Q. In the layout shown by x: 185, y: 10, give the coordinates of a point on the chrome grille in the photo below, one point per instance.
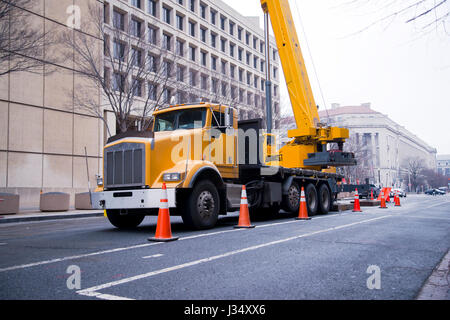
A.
x: 125, y: 165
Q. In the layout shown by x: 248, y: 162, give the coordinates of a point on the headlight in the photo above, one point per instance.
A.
x: 99, y: 181
x: 170, y: 177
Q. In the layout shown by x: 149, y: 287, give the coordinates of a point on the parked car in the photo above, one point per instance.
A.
x: 401, y: 192
x: 434, y: 192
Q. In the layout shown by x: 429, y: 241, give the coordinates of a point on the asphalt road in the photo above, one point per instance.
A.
x: 327, y: 257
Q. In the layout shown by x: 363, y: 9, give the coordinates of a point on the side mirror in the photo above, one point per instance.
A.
x: 228, y: 117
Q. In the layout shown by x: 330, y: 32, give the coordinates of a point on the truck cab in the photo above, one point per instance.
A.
x: 191, y: 148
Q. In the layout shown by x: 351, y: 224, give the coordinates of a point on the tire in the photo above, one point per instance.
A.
x: 324, y: 199
x: 291, y: 201
x: 202, y: 206
x: 124, y: 222
x: 312, y: 199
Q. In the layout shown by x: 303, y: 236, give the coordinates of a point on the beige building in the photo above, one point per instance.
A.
x: 43, y: 135
x: 389, y: 144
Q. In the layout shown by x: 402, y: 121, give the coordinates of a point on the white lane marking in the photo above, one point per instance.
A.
x: 93, y: 291
x: 105, y: 296
x: 153, y: 256
x: 39, y: 263
x: 34, y: 264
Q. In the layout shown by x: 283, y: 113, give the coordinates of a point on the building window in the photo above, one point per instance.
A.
x: 192, y: 78
x: 136, y: 3
x: 152, y: 91
x: 232, y: 50
x: 232, y: 71
x: 180, y: 48
x: 224, y: 67
x: 136, y: 57
x: 152, y: 63
x: 167, y: 15
x: 136, y: 28
x: 118, y: 82
x: 204, y: 82
x: 152, y: 38
x: 223, y: 44
x: 240, y: 33
x: 151, y: 8
x: 248, y: 55
x: 203, y: 10
x: 222, y: 22
x: 106, y: 13
x: 240, y: 54
x: 192, y: 26
x: 192, y: 55
x: 137, y: 87
x: 166, y: 42
x: 247, y: 38
x: 213, y: 63
x: 119, y: 20
x: 213, y: 16
x: 255, y: 41
x: 204, y: 57
x: 180, y: 73
x: 180, y: 22
x: 167, y: 69
x: 241, y: 75
x: 213, y: 40
x: 231, y: 28
x: 203, y: 34
x: 119, y: 50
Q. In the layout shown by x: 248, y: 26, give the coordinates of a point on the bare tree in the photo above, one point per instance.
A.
x: 136, y: 72
x: 426, y: 15
x: 414, y: 168
x: 434, y: 178
x: 21, y: 43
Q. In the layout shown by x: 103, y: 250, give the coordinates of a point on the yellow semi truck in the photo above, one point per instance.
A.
x: 204, y: 154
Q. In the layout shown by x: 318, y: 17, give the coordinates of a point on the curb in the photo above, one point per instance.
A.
x: 7, y: 219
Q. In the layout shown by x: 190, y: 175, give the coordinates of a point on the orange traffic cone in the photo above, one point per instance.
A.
x: 356, y: 206
x: 371, y: 195
x: 383, y: 200
x: 163, y: 230
x: 397, y: 200
x: 244, y: 215
x: 303, y: 211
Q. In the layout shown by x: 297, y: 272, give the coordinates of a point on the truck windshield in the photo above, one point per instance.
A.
x: 181, y: 119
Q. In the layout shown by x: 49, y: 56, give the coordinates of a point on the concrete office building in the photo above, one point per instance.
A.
x: 43, y: 135
x: 223, y: 52
x: 389, y: 143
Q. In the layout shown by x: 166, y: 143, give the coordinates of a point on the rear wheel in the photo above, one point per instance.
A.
x: 312, y: 200
x: 324, y: 199
x: 127, y: 221
x: 202, y: 206
x: 291, y: 201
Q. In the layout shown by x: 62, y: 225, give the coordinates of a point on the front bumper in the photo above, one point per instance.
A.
x: 131, y: 199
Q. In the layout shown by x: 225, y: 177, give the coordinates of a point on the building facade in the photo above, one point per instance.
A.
x: 45, y: 139
x: 42, y: 138
x: 220, y: 53
x: 389, y: 146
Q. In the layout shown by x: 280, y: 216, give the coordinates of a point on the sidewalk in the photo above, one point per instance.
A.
x: 36, y: 215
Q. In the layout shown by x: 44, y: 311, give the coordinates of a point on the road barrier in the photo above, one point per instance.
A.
x: 303, y: 211
x: 356, y: 206
x: 163, y: 229
x: 244, y: 215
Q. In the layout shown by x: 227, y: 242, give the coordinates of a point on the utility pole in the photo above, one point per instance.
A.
x: 268, y: 78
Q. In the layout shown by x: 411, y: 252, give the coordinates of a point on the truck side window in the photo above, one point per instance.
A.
x: 218, y: 119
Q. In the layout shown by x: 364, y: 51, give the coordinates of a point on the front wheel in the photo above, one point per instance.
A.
x: 128, y: 221
x: 202, y: 206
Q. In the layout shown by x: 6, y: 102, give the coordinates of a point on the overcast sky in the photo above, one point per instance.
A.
x: 403, y: 72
